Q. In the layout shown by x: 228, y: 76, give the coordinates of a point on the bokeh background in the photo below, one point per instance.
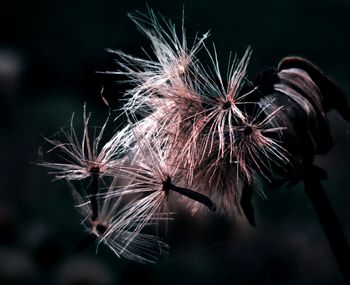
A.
x: 49, y: 54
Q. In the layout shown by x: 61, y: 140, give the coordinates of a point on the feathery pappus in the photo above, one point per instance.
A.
x: 107, y: 218
x: 80, y: 158
x: 196, y: 134
x: 196, y: 114
x: 175, y: 59
x: 154, y: 177
x: 116, y: 226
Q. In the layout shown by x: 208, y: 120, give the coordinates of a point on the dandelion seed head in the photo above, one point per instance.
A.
x: 195, y: 135
x: 192, y: 113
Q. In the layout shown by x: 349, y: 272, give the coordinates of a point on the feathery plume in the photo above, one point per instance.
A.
x: 82, y: 158
x: 257, y: 144
x: 118, y: 228
x: 153, y: 178
x: 168, y: 73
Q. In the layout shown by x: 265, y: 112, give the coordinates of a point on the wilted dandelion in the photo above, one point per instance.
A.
x: 191, y: 128
x: 195, y: 117
x: 185, y: 108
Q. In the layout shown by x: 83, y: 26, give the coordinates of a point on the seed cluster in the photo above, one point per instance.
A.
x: 188, y: 133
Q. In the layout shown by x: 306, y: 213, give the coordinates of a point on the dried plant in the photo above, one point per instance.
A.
x: 196, y: 136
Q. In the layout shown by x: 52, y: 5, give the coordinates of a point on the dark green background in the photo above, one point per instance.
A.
x: 49, y: 52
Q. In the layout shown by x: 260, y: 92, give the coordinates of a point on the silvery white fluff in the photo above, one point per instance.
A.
x: 79, y: 156
x: 188, y: 127
x: 197, y: 115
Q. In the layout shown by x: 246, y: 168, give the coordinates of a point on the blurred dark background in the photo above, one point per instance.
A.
x: 49, y: 54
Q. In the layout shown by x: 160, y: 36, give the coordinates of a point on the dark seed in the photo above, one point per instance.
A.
x: 95, y: 170
x: 226, y: 105
x: 101, y: 229
x: 247, y: 130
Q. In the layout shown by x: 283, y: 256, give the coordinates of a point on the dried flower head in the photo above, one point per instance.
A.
x: 195, y: 117
x: 190, y: 127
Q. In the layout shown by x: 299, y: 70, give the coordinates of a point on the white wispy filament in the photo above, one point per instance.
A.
x: 120, y: 229
x: 191, y: 134
x: 80, y: 156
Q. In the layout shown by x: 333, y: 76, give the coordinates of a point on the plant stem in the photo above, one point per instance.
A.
x: 330, y: 224
x: 95, y: 184
x: 196, y: 196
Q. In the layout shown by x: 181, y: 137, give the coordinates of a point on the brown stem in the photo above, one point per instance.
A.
x: 330, y: 224
x: 94, y: 188
x: 196, y: 196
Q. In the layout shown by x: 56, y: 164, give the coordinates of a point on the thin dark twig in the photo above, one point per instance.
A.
x: 196, y: 196
x: 330, y: 223
x: 94, y: 188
